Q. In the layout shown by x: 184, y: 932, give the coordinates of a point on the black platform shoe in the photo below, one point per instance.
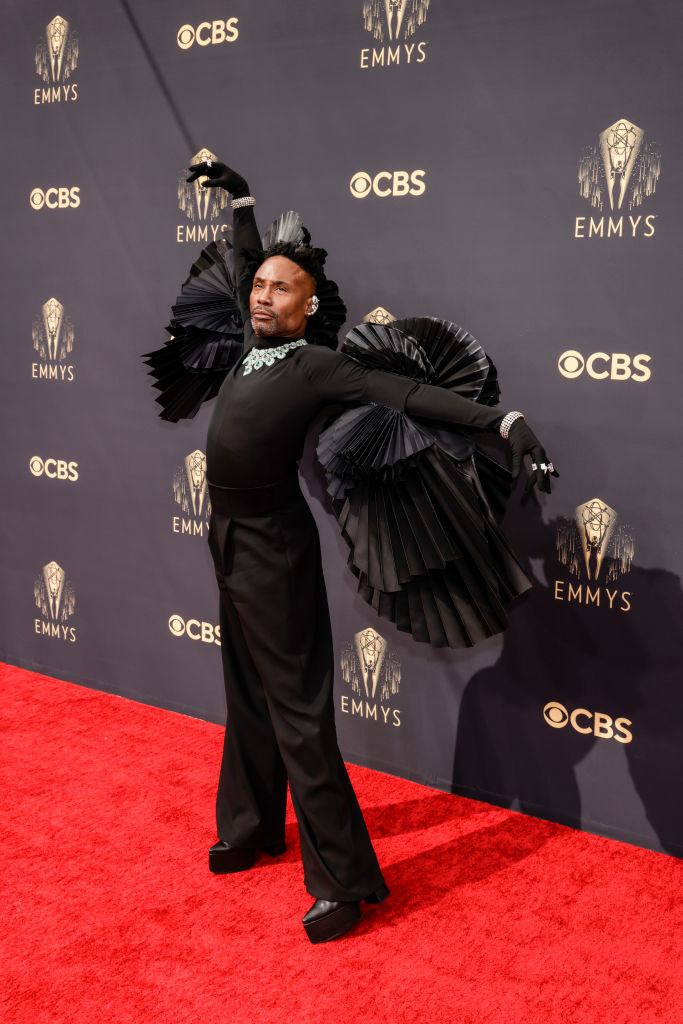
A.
x: 328, y: 919
x: 225, y: 859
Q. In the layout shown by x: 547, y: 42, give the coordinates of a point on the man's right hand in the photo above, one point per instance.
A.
x: 219, y: 176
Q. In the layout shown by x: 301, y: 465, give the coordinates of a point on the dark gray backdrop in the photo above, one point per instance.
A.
x: 495, y: 102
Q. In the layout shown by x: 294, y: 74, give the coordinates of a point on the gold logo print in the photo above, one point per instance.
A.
x: 195, y: 629
x: 197, y: 202
x: 379, y: 315
x: 388, y: 183
x: 53, y: 333
x: 189, y: 486
x: 595, y: 723
x: 371, y: 648
x: 387, y: 18
x: 57, y: 54
x: 53, y: 594
x: 596, y: 522
x: 208, y: 33
x: 593, y: 536
x: 621, y: 165
x: 616, y: 366
x: 367, y: 667
x: 555, y: 714
x: 53, y: 469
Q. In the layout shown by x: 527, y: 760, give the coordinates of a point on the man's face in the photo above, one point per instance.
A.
x: 280, y: 299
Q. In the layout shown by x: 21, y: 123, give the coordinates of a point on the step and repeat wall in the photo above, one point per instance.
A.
x: 512, y: 165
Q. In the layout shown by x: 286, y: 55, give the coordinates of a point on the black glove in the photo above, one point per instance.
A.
x: 523, y: 441
x: 220, y: 176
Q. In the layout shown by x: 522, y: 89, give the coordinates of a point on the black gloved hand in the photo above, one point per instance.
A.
x: 523, y: 441
x: 220, y: 176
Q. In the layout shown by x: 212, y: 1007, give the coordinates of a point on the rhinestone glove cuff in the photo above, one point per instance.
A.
x: 507, y: 422
x: 243, y: 201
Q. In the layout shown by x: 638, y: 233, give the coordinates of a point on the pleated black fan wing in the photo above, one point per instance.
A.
x: 206, y: 336
x: 189, y: 369
x: 208, y: 297
x: 370, y: 440
x: 385, y: 347
x: 458, y: 361
x: 375, y: 441
x: 414, y: 499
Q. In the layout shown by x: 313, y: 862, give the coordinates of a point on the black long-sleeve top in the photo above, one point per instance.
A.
x: 259, y: 423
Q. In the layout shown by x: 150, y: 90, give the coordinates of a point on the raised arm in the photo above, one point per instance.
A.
x: 246, y: 243
x: 246, y: 238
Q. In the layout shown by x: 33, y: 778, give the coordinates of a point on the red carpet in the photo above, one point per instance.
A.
x: 110, y: 915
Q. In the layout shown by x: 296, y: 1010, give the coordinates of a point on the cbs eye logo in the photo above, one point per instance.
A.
x: 208, y: 33
x: 194, y: 629
x: 55, y: 198
x: 555, y: 715
x: 602, y: 726
x: 54, y: 469
x: 600, y: 366
x: 387, y: 183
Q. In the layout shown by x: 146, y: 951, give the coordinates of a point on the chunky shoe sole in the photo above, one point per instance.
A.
x: 228, y: 860
x: 334, y: 924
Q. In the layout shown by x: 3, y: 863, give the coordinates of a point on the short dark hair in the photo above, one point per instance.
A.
x: 307, y: 257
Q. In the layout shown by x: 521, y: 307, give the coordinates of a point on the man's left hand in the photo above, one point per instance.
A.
x: 523, y: 442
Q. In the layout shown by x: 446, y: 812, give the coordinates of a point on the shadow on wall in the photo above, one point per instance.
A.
x: 609, y: 662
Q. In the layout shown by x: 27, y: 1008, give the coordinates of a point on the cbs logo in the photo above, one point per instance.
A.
x: 54, y: 469
x: 208, y: 33
x: 600, y: 365
x: 600, y: 725
x: 195, y: 629
x: 387, y: 183
x: 55, y: 198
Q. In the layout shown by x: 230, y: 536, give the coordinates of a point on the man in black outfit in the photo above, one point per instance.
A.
x: 275, y: 627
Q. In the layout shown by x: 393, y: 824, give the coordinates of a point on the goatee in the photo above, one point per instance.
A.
x: 265, y: 328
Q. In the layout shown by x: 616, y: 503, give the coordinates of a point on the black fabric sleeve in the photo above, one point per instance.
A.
x: 431, y: 403
x: 338, y: 378
x: 246, y: 245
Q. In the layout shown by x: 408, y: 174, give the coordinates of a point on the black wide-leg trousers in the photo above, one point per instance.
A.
x: 276, y: 644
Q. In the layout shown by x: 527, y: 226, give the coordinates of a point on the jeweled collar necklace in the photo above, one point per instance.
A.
x: 258, y: 357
